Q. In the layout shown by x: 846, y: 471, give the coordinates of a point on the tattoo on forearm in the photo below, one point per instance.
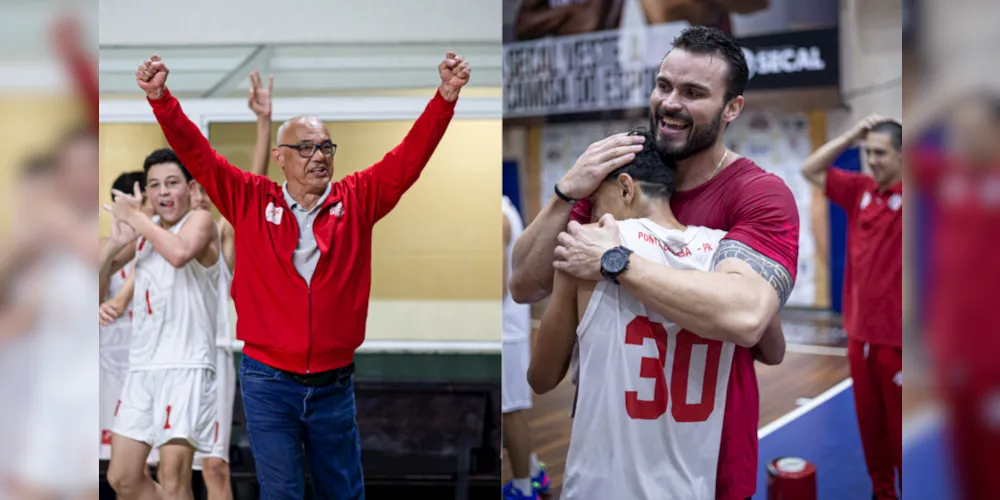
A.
x: 772, y: 272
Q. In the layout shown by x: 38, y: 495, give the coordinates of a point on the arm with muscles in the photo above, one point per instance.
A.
x: 532, y: 255
x: 771, y: 348
x: 113, y: 308
x: 385, y: 182
x: 553, y: 350
x: 735, y: 303
x: 260, y: 103
x: 225, y: 184
x: 817, y: 164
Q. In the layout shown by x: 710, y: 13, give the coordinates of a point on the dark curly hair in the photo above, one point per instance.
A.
x: 165, y: 155
x: 126, y: 181
x: 655, y: 173
x: 707, y: 40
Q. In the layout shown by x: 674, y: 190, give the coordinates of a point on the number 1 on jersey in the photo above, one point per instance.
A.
x: 642, y: 328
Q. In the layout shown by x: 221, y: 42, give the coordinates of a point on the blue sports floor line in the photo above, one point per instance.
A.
x: 825, y: 432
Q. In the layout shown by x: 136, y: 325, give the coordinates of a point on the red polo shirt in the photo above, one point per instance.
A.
x: 873, y: 275
x: 285, y: 322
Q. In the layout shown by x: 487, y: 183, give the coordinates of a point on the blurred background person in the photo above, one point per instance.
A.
x: 873, y: 307
x: 529, y: 474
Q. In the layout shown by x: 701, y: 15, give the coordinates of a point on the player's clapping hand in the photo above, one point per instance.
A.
x: 455, y: 73
x: 260, y: 96
x: 125, y: 208
x: 581, y: 247
x: 152, y: 77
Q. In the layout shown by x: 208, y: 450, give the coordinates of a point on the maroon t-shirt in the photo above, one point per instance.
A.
x: 757, y: 209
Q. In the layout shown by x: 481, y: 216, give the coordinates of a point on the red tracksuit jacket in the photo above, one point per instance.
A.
x: 285, y: 322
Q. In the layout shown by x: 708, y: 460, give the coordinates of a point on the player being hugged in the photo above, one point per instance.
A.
x: 651, y: 395
x: 168, y: 399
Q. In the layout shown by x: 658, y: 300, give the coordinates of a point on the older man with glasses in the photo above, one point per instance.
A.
x: 303, y: 279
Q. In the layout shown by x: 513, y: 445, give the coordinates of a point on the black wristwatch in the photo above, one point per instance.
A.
x: 614, y: 262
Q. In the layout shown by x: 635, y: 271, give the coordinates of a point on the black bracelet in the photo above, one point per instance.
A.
x: 562, y: 196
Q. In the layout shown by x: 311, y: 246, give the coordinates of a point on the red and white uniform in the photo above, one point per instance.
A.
x: 652, y: 396
x: 170, y: 390
x: 757, y: 209
x: 114, y: 352
x: 873, y: 317
x: 225, y: 383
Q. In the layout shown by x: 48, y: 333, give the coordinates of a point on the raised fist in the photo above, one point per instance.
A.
x: 454, y: 72
x: 152, y: 77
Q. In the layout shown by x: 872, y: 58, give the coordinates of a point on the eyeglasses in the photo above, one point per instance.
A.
x: 308, y: 150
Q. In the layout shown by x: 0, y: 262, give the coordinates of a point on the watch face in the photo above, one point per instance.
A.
x: 615, y: 260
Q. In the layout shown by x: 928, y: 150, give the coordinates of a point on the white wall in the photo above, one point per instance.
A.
x: 871, y: 50
x: 199, y: 22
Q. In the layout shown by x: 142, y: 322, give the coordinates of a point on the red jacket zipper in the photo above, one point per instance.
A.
x: 310, y: 329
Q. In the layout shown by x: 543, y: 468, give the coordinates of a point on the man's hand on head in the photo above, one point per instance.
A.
x: 581, y: 247
x: 152, y: 77
x: 597, y: 162
x: 455, y: 72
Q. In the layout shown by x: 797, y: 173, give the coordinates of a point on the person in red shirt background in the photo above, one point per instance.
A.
x: 699, y: 91
x: 961, y: 179
x: 873, y: 282
x: 302, y: 283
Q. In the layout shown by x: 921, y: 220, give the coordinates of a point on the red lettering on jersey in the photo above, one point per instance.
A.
x: 706, y: 247
x: 105, y: 436
x: 118, y: 406
x: 130, y: 315
x: 216, y: 439
x: 167, y: 425
x: 123, y: 273
x: 149, y: 307
x: 642, y: 328
x: 662, y: 245
x: 142, y: 241
x: 681, y: 410
x: 639, y: 329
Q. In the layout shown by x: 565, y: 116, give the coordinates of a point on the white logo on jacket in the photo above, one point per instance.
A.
x: 337, y: 209
x: 272, y: 214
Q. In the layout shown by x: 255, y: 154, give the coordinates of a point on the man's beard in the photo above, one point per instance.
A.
x: 700, y: 138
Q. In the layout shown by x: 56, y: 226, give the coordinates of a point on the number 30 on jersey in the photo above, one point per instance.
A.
x: 642, y: 328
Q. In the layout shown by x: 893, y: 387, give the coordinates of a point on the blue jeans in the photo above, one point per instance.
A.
x: 285, y: 419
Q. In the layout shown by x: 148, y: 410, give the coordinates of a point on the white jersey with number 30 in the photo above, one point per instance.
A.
x: 651, y: 396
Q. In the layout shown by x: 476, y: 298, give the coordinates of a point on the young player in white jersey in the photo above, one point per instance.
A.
x: 168, y: 400
x: 529, y: 477
x: 651, y: 396
x: 116, y: 324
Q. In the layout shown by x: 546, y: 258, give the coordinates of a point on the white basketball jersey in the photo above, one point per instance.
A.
x: 651, y: 396
x: 118, y: 334
x: 516, y: 317
x: 176, y: 311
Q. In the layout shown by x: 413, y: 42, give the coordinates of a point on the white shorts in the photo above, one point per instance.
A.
x: 225, y: 386
x: 160, y: 405
x: 515, y: 393
x: 112, y: 377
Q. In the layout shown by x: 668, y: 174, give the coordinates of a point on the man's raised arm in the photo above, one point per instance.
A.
x: 385, y: 182
x: 532, y: 274
x: 224, y: 183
